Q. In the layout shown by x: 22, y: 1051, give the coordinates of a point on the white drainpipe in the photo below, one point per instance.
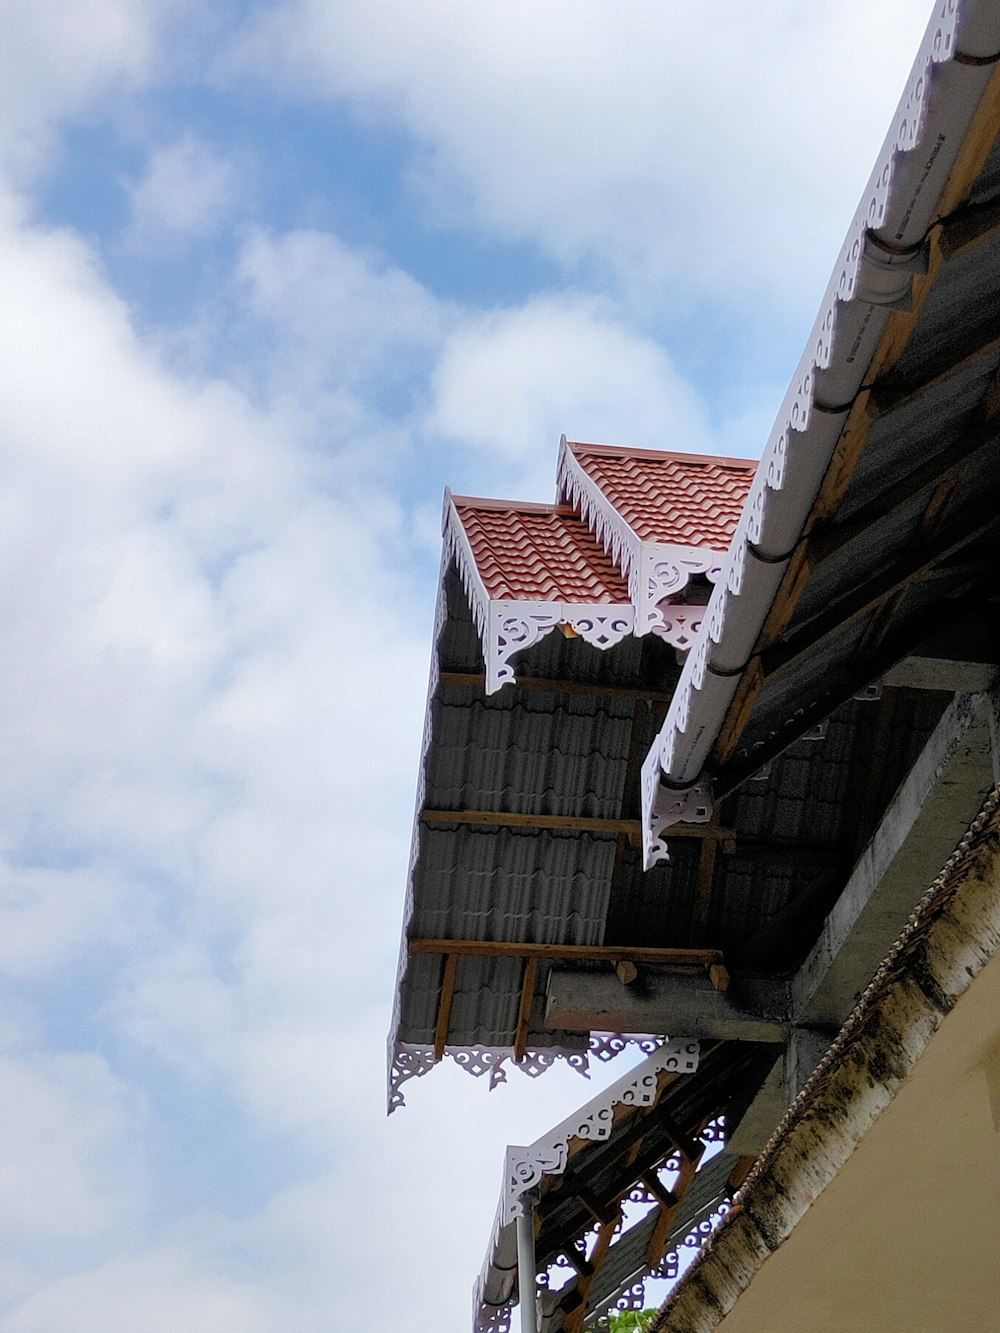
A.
x: 527, y: 1298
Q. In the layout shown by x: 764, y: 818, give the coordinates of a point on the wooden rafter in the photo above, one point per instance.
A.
x: 703, y: 889
x: 573, y: 1319
x: 892, y: 579
x: 712, y: 960
x: 859, y: 674
x: 973, y: 346
x: 943, y: 469
x: 970, y: 226
x: 668, y: 1213
x: 569, y: 823
x: 592, y: 688
x: 444, y: 1004
x: 524, y: 1008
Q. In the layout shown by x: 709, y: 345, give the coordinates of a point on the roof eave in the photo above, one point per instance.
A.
x: 871, y: 281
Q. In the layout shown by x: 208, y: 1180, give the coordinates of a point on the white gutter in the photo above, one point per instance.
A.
x: 885, y: 246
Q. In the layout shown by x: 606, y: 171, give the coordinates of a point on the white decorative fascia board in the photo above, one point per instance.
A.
x: 440, y: 617
x: 414, y: 1059
x: 845, y: 335
x: 516, y: 625
x: 680, y: 625
x: 524, y: 1167
x: 656, y: 571
x: 507, y: 627
x: 458, y: 548
x: 609, y: 528
x: 667, y: 806
x: 662, y: 572
x: 407, y: 1060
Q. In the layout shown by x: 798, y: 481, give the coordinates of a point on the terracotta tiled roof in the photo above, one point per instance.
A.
x: 686, y: 499
x: 541, y: 553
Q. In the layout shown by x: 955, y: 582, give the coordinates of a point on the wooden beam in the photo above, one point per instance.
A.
x: 599, y: 1211
x: 690, y: 1149
x: 592, y: 688
x: 573, y: 1321
x: 570, y: 953
x: 444, y: 1005
x: 524, y: 1009
x: 570, y: 823
x: 719, y: 977
x: 668, y: 1213
x: 890, y: 580
x: 961, y: 353
x: 945, y: 466
x: 664, y: 1197
x: 626, y: 971
x: 673, y: 1003
x: 970, y: 226
x: 858, y: 674
x: 578, y: 1260
x: 703, y: 889
x: 740, y: 1172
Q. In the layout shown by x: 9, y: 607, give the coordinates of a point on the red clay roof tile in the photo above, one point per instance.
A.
x: 686, y: 499
x: 539, y: 553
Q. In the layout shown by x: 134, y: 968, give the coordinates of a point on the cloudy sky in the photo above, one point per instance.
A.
x: 271, y: 275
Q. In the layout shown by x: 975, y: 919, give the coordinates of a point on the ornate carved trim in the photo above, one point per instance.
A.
x: 656, y: 571
x: 514, y: 626
x: 525, y: 1167
x: 407, y: 1060
x: 679, y: 625
x: 664, y: 572
x: 456, y: 547
x: 413, y: 1059
x: 667, y: 806
x: 440, y: 617
x: 575, y: 486
x: 848, y: 282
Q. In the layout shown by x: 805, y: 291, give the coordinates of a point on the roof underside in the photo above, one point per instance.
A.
x: 646, y: 1144
x: 564, y: 741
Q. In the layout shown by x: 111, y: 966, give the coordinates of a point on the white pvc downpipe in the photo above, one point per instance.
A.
x: 527, y: 1298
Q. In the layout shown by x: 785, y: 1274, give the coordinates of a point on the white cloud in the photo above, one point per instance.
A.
x: 508, y: 384
x: 186, y: 192
x: 336, y: 315
x: 49, y: 916
x: 65, y: 1122
x: 712, y: 147
x: 156, y: 1292
x: 65, y: 56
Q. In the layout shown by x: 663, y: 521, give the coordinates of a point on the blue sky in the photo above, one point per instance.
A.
x: 273, y: 274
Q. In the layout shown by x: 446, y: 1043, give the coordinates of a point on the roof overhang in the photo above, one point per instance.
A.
x: 873, y: 385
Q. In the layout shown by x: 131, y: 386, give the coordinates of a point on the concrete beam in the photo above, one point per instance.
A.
x: 789, y: 1075
x: 941, y: 673
x: 920, y: 829
x: 962, y: 658
x: 925, y: 820
x: 666, y: 1002
x: 757, y: 1123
